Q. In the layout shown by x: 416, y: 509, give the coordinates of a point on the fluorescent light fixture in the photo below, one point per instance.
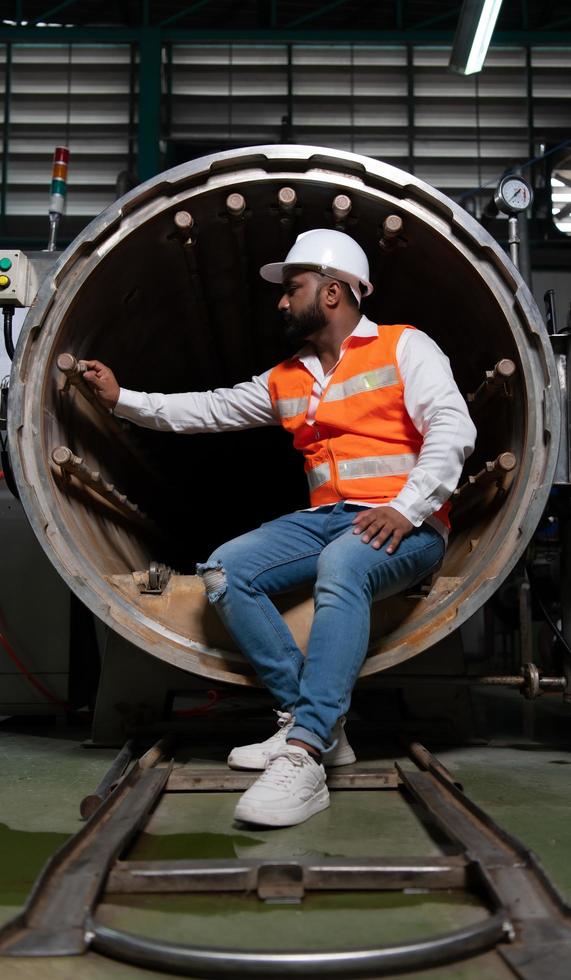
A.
x: 473, y: 35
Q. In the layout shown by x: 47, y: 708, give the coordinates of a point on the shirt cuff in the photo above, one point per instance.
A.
x: 129, y: 404
x: 416, y: 509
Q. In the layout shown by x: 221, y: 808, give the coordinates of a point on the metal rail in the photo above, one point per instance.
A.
x: 526, y: 919
x: 504, y: 868
x: 53, y: 921
x: 335, y: 963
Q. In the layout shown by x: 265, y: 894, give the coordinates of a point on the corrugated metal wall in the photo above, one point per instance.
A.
x: 397, y: 103
x: 70, y: 95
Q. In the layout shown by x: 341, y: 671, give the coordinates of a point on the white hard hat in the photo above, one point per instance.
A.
x: 332, y: 253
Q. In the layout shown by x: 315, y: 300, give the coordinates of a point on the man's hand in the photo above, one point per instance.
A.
x: 381, y: 523
x: 103, y: 383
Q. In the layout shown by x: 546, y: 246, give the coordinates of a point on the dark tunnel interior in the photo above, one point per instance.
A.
x: 170, y: 317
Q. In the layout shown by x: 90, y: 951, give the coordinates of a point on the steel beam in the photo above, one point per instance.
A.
x: 437, y: 19
x: 54, y: 10
x: 186, y: 779
x: 288, y: 878
x: 314, y: 14
x: 150, y: 65
x: 125, y: 35
x: 184, y: 13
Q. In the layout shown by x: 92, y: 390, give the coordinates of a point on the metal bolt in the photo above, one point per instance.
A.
x: 505, y: 462
x: 287, y: 198
x: 69, y: 364
x: 183, y: 220
x: 505, y: 368
x: 235, y: 204
x: 62, y: 455
x: 341, y: 206
x: 392, y: 226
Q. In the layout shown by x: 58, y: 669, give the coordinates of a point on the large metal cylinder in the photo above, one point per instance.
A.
x: 173, y: 304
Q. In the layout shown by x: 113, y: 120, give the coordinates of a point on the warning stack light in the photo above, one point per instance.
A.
x: 58, y: 192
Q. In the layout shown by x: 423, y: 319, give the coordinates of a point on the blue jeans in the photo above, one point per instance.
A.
x: 349, y: 575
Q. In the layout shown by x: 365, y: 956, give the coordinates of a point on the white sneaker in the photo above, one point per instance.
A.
x: 291, y: 790
x: 257, y: 755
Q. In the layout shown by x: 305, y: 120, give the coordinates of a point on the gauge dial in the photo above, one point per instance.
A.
x: 513, y: 195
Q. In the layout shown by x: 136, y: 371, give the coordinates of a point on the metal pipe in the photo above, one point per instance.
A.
x: 156, y: 753
x: 496, y: 469
x: 93, y: 801
x: 494, y: 382
x: 76, y: 466
x: 545, y: 684
x: 513, y: 239
x: 524, y: 255
x: 427, y: 761
x: 189, y: 961
x: 54, y: 219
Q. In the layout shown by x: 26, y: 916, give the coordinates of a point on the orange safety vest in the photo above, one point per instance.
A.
x: 363, y: 443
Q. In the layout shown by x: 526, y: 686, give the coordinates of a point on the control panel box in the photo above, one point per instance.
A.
x: 18, y: 282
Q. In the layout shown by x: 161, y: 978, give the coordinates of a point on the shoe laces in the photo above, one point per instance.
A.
x: 284, y: 764
x: 285, y: 720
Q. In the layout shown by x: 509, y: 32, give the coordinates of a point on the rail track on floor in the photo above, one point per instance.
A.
x: 524, y: 918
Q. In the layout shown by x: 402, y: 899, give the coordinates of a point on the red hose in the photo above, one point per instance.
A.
x: 213, y: 698
x: 29, y: 676
x: 22, y: 667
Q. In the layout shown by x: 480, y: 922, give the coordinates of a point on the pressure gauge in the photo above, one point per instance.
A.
x: 513, y: 195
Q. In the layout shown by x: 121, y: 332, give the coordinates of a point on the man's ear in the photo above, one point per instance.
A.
x: 333, y: 293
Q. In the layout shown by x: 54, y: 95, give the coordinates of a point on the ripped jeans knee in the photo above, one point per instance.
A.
x: 213, y: 575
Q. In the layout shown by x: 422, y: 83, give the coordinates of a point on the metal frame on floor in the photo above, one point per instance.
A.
x: 528, y: 923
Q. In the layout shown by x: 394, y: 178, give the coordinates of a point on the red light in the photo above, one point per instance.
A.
x: 61, y: 154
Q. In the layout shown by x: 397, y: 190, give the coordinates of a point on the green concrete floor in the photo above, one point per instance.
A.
x: 521, y: 782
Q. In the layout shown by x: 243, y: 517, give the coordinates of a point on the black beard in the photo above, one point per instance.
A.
x: 300, y: 327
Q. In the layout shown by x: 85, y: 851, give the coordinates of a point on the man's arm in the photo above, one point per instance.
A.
x: 244, y: 406
x: 440, y: 415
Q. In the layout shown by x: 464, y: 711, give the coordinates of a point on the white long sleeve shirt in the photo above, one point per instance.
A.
x: 431, y: 397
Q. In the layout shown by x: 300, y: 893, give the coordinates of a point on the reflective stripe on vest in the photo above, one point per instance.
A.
x: 355, y: 469
x: 368, y: 381
x: 367, y: 466
x: 288, y: 408
x: 319, y: 475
